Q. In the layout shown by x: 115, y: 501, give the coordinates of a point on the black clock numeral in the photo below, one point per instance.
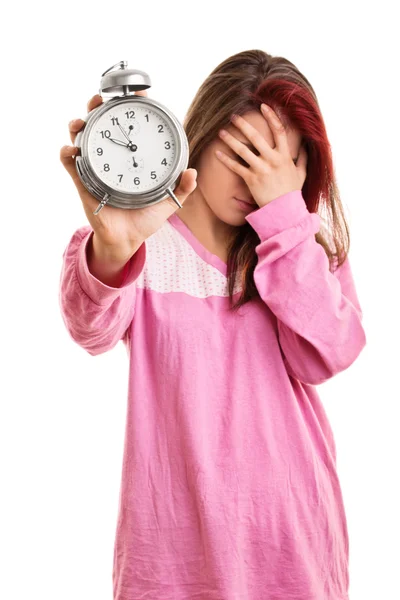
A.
x: 106, y: 167
x: 167, y: 145
x: 146, y: 117
x: 99, y: 151
x: 121, y: 178
x: 164, y: 161
x: 153, y: 175
x: 114, y: 120
x: 160, y: 128
x: 106, y: 133
x: 136, y: 181
x: 130, y: 114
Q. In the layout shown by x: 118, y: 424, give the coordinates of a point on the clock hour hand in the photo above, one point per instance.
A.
x: 118, y: 142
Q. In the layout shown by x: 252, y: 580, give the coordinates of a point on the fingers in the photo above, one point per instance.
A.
x: 74, y: 127
x: 187, y: 184
x: 66, y: 156
x: 189, y: 181
x: 94, y: 102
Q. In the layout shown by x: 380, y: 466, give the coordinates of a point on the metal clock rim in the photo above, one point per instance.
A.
x: 124, y: 199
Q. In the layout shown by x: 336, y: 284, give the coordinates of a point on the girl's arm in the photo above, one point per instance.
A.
x: 319, y: 317
x: 96, y: 313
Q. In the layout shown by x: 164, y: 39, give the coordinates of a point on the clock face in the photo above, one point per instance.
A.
x: 132, y: 147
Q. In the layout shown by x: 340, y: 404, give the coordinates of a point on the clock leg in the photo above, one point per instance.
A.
x: 101, y: 204
x: 174, y: 198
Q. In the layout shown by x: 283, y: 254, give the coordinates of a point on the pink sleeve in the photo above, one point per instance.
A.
x: 96, y: 315
x: 319, y: 317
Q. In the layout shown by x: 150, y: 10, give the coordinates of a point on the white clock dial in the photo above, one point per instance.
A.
x: 132, y: 147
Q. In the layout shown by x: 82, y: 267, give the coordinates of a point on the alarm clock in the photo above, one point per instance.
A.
x: 132, y: 149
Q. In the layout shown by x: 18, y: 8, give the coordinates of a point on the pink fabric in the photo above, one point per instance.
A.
x: 229, y: 486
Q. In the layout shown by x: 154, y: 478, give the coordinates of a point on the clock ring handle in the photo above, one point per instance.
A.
x: 121, y: 64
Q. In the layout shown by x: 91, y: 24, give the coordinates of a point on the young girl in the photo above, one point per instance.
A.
x: 232, y: 309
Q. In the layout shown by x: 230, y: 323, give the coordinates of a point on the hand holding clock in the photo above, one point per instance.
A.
x: 121, y: 231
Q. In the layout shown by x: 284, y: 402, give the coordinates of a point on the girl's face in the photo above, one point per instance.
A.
x: 218, y: 185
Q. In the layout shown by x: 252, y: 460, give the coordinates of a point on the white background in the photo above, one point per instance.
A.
x: 63, y: 411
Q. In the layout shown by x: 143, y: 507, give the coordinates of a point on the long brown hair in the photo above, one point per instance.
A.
x: 240, y: 84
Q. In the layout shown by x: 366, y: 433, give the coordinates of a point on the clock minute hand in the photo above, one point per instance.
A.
x: 127, y: 136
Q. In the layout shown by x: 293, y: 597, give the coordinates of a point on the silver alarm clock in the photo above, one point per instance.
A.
x: 132, y: 149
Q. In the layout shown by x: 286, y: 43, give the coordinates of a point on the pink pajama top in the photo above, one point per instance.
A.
x: 229, y: 485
